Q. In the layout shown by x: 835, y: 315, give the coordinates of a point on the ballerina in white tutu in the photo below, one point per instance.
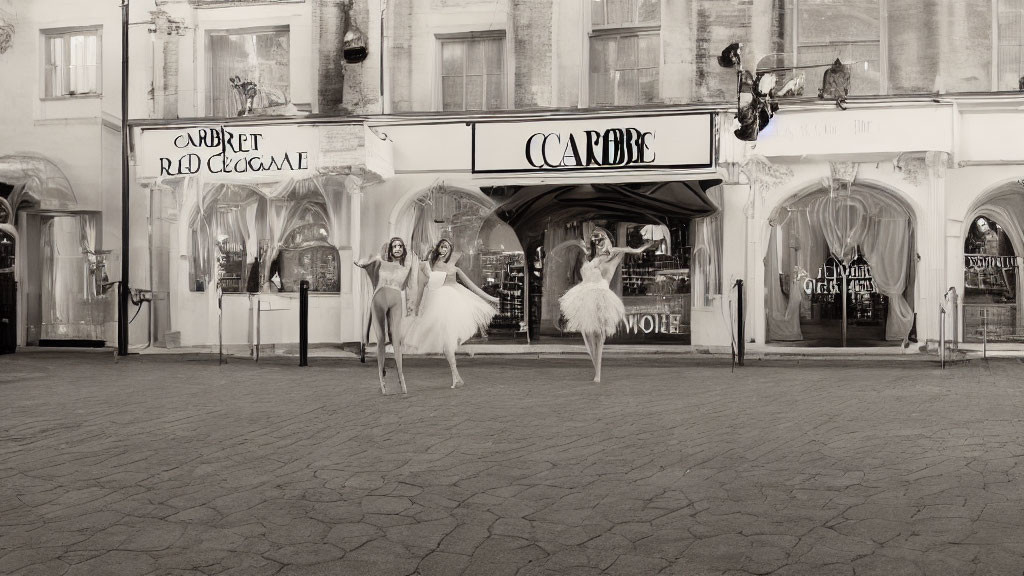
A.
x: 448, y: 313
x: 386, y: 309
x: 590, y: 307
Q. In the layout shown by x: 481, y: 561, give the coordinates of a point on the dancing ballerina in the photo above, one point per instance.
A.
x: 448, y: 314
x: 386, y: 309
x: 590, y: 307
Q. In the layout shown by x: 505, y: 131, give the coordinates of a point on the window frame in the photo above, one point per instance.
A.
x: 997, y: 43
x: 67, y: 33
x: 208, y: 57
x: 619, y: 31
x: 440, y: 39
x: 883, y: 42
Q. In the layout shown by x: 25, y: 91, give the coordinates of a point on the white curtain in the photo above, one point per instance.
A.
x: 881, y: 228
x: 783, y: 311
x: 843, y: 221
x: 707, y: 253
x: 87, y: 241
x: 887, y: 250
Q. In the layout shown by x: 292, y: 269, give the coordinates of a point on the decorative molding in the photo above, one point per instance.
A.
x: 912, y: 167
x: 843, y: 172
x: 916, y: 167
x: 937, y: 163
x: 7, y: 21
x: 763, y: 175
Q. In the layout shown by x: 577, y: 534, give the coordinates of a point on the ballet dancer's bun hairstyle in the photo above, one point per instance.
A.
x: 387, y: 250
x: 436, y: 252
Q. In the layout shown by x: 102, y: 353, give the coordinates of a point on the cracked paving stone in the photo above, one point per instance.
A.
x: 115, y: 563
x: 442, y: 564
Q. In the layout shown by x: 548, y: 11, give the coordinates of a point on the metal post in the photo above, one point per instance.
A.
x: 220, y: 324
x: 304, y: 322
x: 845, y: 297
x: 942, y: 337
x: 984, y: 334
x: 739, y: 322
x: 954, y: 304
x: 122, y: 292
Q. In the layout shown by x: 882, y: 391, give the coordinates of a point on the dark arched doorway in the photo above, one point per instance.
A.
x: 990, y: 284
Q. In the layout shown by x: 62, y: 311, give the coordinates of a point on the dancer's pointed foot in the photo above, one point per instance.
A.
x: 404, y: 390
x: 383, y: 390
x: 457, y: 383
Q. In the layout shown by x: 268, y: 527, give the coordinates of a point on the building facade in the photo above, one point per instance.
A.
x: 280, y: 140
x: 59, y: 172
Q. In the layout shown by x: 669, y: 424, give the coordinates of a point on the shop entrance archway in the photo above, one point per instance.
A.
x: 656, y: 287
x: 488, y: 250
x: 993, y: 243
x: 840, y: 269
x: 63, y: 285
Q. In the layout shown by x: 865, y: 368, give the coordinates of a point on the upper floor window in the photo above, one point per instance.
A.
x: 625, y: 52
x: 248, y: 71
x: 850, y: 31
x: 473, y: 72
x: 72, y: 62
x: 1010, y: 45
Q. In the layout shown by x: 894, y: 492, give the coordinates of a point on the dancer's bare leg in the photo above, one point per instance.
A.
x: 395, y: 322
x: 588, y: 342
x: 456, y: 378
x: 379, y: 314
x: 598, y: 352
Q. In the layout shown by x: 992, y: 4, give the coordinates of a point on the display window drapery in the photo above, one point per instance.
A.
x: 231, y: 222
x: 707, y: 252
x: 865, y: 226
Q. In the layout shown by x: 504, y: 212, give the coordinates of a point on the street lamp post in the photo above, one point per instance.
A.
x: 122, y: 292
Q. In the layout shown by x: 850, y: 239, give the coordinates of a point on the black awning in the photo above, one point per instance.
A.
x: 531, y: 209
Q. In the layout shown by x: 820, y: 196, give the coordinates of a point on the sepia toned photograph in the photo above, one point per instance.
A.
x: 511, y: 287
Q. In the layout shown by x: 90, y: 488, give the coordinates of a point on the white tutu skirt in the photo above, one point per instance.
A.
x: 449, y: 315
x: 592, y: 307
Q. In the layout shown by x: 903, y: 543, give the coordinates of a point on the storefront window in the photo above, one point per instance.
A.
x: 990, y: 283
x: 656, y: 284
x: 257, y: 241
x: 826, y: 249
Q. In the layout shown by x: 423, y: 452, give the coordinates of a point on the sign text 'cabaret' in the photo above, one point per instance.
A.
x: 224, y: 151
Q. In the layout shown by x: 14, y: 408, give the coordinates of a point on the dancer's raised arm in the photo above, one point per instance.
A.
x: 461, y: 277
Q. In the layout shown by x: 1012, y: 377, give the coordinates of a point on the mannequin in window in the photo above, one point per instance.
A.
x: 386, y: 303
x: 590, y: 307
x: 448, y: 313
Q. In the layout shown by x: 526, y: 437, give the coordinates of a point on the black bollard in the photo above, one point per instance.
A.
x: 740, y: 338
x: 303, y: 322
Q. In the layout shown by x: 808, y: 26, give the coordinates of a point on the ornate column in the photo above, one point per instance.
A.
x: 928, y: 169
x: 763, y: 177
x: 353, y: 186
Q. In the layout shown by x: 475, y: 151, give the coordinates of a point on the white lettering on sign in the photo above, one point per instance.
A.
x: 648, y: 323
x: 981, y: 261
x: 831, y: 276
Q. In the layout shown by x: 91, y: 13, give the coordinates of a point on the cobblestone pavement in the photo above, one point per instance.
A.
x: 175, y: 465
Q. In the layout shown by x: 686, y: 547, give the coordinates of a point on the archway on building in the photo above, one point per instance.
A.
x: 992, y: 247
x: 840, y: 269
x: 487, y: 249
x: 64, y: 291
x: 656, y: 286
